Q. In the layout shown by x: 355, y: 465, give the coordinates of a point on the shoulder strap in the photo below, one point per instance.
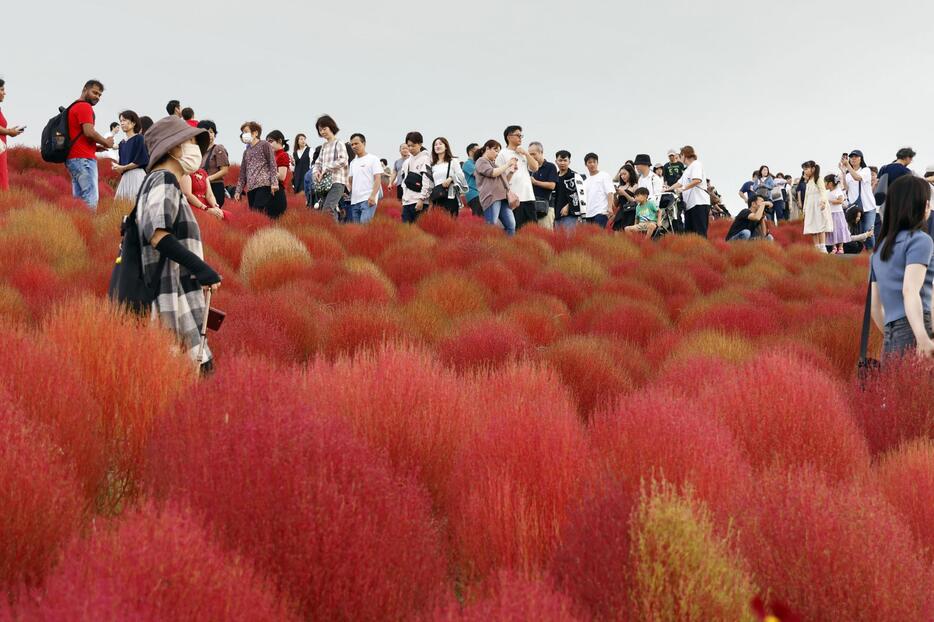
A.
x: 67, y: 111
x: 867, y: 317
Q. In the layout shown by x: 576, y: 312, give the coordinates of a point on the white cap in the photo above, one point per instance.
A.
x: 673, y: 152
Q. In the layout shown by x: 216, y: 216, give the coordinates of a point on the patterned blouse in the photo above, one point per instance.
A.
x: 180, y: 303
x: 333, y: 159
x: 258, y: 167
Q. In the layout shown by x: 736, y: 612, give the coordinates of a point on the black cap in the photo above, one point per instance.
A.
x: 643, y: 159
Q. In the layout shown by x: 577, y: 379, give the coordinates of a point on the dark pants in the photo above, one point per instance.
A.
x: 599, y: 220
x: 525, y: 214
x: 409, y: 214
x: 220, y: 193
x: 898, y: 337
x: 277, y: 204
x: 475, y: 207
x: 451, y: 206
x: 399, y: 192
x: 696, y: 220
x: 779, y: 207
x: 260, y: 199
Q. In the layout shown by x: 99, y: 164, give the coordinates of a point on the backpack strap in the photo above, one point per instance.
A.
x: 80, y: 131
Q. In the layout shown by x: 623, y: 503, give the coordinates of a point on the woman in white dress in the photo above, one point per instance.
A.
x: 817, y: 220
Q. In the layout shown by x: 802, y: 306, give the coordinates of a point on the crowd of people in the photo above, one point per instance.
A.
x: 176, y: 164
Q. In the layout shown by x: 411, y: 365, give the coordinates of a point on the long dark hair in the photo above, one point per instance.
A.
x: 633, y: 177
x: 764, y: 166
x: 295, y: 144
x: 448, y: 155
x: 904, y: 211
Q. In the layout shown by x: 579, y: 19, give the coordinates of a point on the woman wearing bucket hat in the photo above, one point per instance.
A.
x: 170, y: 237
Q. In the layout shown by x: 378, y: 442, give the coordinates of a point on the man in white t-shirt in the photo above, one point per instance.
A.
x: 693, y: 187
x: 521, y: 182
x: 647, y: 178
x: 858, y: 179
x: 365, y: 181
x: 600, y: 193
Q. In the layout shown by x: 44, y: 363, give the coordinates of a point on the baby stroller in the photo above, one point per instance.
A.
x: 668, y: 207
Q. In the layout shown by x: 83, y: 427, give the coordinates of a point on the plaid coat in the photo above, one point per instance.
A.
x: 180, y: 303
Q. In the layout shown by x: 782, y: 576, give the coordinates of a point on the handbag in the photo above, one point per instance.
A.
x: 415, y: 181
x: 323, y: 185
x: 866, y: 366
x: 439, y: 193
x: 128, y: 286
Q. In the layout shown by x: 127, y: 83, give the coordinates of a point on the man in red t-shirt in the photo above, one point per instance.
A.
x: 86, y: 142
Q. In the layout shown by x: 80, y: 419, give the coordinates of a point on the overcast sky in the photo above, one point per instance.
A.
x: 745, y: 82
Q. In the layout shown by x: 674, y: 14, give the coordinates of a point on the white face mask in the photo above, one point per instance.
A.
x: 246, y: 138
x: 190, y: 160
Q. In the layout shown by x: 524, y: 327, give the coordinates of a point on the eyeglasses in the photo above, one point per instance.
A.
x: 516, y: 135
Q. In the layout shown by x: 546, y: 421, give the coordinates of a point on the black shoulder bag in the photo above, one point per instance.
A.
x: 415, y: 180
x: 439, y: 193
x: 128, y: 286
x: 866, y: 366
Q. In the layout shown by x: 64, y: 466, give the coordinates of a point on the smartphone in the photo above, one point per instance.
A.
x: 215, y: 319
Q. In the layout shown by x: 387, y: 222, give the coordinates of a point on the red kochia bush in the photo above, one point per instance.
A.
x: 637, y: 322
x: 906, y: 478
x: 483, y: 342
x: 403, y: 401
x: 515, y: 479
x: 133, y: 370
x: 592, y: 563
x: 57, y: 398
x: 513, y: 598
x: 295, y: 491
x: 896, y: 404
x: 40, y: 507
x: 657, y: 435
x: 785, y: 412
x: 833, y: 553
x: 152, y: 567
x: 593, y: 369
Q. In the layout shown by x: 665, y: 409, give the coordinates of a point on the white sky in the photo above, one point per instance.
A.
x: 746, y: 83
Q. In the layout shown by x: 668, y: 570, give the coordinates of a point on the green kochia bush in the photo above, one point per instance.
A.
x: 681, y: 570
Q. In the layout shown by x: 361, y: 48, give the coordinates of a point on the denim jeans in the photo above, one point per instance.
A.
x: 779, y: 208
x: 566, y: 223
x: 898, y: 338
x: 866, y: 224
x: 362, y: 212
x: 83, y: 173
x: 309, y: 187
x: 599, y: 220
x: 741, y: 236
x: 500, y: 211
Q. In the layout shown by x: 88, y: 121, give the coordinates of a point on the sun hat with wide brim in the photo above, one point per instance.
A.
x: 168, y: 133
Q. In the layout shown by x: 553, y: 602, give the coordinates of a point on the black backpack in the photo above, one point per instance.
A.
x: 128, y: 286
x: 56, y: 139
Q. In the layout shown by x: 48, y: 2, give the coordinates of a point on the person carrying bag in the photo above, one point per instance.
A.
x: 168, y: 278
